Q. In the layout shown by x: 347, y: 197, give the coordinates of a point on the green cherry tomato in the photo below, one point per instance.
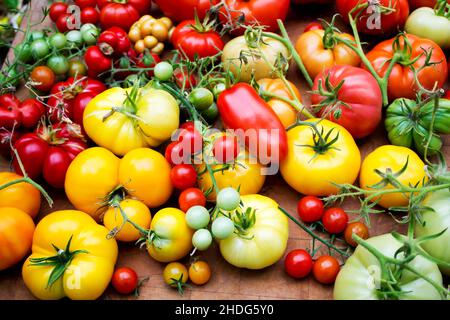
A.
x: 23, y: 52
x: 202, y: 239
x: 218, y: 89
x: 58, y: 40
x: 228, y: 199
x: 37, y: 35
x: 222, y: 228
x: 87, y: 26
x: 39, y: 49
x: 211, y: 113
x: 90, y: 36
x: 163, y: 71
x: 9, y: 78
x: 201, y: 98
x: 74, y: 38
x: 197, y: 217
x: 77, y: 68
x: 58, y: 64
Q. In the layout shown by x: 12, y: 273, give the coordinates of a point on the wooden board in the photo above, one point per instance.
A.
x: 227, y: 282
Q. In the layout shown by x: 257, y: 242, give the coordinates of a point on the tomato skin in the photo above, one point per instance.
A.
x: 226, y: 149
x: 114, y: 41
x: 96, y: 60
x: 89, y: 15
x: 124, y: 280
x: 31, y: 110
x: 16, y: 235
x: 199, y: 273
x: 257, y: 115
x: 401, y: 82
x: 180, y: 10
x: 362, y: 102
x: 121, y: 15
x: 390, y: 23
x: 183, y: 78
x: 9, y: 111
x: 310, y: 209
x: 191, y: 197
x: 422, y: 3
x: 447, y: 95
x: 57, y: 9
x: 86, y: 3
x: 16, y: 114
x: 62, y: 22
x: 175, y: 151
x: 183, y: 176
x: 358, y: 228
x: 313, y: 26
x: 335, y: 220
x: 298, y: 263
x: 326, y: 269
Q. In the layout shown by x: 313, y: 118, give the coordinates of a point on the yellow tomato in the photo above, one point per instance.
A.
x: 285, y: 112
x: 175, y: 275
x: 311, y: 169
x: 91, y: 257
x: 125, y: 119
x: 172, y: 238
x: 136, y: 211
x: 22, y: 196
x: 264, y: 241
x: 392, y: 158
x: 96, y: 175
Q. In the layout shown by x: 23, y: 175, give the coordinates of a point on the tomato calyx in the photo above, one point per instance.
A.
x: 60, y: 261
x: 331, y: 102
x: 442, y: 8
x: 129, y: 106
x: 202, y: 27
x: 179, y: 284
x: 329, y: 37
x: 244, y: 220
x: 321, y: 140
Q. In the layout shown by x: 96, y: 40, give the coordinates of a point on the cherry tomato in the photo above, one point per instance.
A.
x: 189, y: 125
x: 313, y: 26
x: 89, y: 15
x: 310, y: 209
x: 199, y: 272
x: 183, y: 176
x: 86, y: 3
x: 191, y: 197
x: 191, y: 140
x: 335, y: 220
x: 44, y: 76
x: 326, y: 269
x: 175, y: 275
x: 57, y: 9
x: 226, y: 149
x: 358, y: 228
x: 184, y: 80
x: 298, y: 263
x: 62, y: 22
x: 96, y: 60
x: 124, y: 280
x: 77, y: 69
x: 175, y: 154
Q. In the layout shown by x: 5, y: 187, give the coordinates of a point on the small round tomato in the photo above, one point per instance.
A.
x: 124, y: 280
x: 77, y: 69
x: 175, y: 154
x: 43, y: 77
x: 58, y: 64
x: 163, y: 71
x: 335, y: 220
x: 191, y: 197
x: 201, y: 98
x: 86, y: 3
x: 57, y: 9
x: 197, y: 217
x: 89, y: 15
x: 199, y: 272
x: 298, y: 263
x: 226, y: 149
x: 175, y: 275
x: 310, y: 209
x: 358, y: 228
x: 63, y: 21
x: 184, y: 80
x: 191, y: 140
x: 183, y: 176
x: 222, y: 228
x: 313, y: 26
x: 228, y: 199
x: 326, y: 269
x: 202, y: 239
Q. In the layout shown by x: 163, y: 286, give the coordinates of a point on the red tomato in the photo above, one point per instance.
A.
x: 175, y: 154
x: 423, y: 3
x: 89, y: 15
x: 183, y: 176
x: 193, y: 39
x: 123, y: 15
x: 44, y: 78
x: 191, y: 140
x: 326, y: 269
x: 357, y: 105
x: 447, y: 95
x: 226, y: 149
x: 183, y: 78
x: 96, y: 60
x: 191, y: 197
x: 48, y: 152
x: 64, y: 21
x: 189, y: 125
x: 86, y: 3
x: 124, y: 280
x: 401, y: 83
x: 264, y: 12
x: 310, y: 209
x: 367, y: 22
x: 298, y: 263
x: 56, y: 10
x: 148, y: 60
x: 180, y: 10
x: 19, y: 114
x: 313, y: 26
x: 143, y: 6
x: 335, y: 220
x: 358, y: 228
x: 6, y: 139
x: 79, y: 104
x: 114, y: 41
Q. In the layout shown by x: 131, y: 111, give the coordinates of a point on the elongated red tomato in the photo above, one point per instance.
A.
x: 356, y: 105
x: 242, y: 108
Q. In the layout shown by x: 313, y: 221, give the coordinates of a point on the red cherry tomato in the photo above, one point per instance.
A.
x: 182, y: 78
x: 114, y: 41
x: 226, y: 149
x: 313, y: 26
x: 326, y: 269
x: 86, y: 3
x: 124, y: 280
x: 189, y: 125
x: 89, y: 15
x: 191, y: 197
x: 335, y: 220
x: 298, y: 263
x: 183, y: 176
x: 44, y: 78
x: 191, y: 140
x: 57, y: 9
x: 175, y: 154
x: 31, y: 111
x: 310, y: 209
x: 63, y: 22
x: 96, y: 60
x: 358, y: 228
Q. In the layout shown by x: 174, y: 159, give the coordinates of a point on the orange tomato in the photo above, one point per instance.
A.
x: 199, y: 273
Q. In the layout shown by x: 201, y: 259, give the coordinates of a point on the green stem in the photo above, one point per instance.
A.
x: 34, y: 184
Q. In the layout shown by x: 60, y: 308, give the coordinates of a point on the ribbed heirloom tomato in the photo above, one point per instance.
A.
x: 122, y: 13
x: 180, y: 10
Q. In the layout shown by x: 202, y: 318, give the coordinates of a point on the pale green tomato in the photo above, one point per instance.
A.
x: 202, y: 239
x: 163, y: 71
x: 90, y: 36
x: 222, y: 228
x: 359, y: 278
x: 228, y: 199
x: 87, y: 26
x: 424, y: 23
x: 197, y: 217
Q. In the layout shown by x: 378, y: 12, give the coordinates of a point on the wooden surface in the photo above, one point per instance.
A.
x: 227, y: 282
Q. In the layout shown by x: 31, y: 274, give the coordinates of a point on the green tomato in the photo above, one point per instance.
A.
x: 37, y: 35
x: 58, y: 64
x: 10, y: 79
x: 90, y: 36
x: 163, y: 71
x: 359, y: 278
x: 222, y: 228
x: 424, y: 23
x: 435, y: 221
x: 211, y: 113
x: 74, y: 38
x: 39, y: 49
x: 202, y: 239
x: 218, y: 89
x: 201, y: 98
x: 197, y: 217
x: 228, y: 199
x: 23, y: 52
x: 87, y: 26
x: 58, y: 40
x: 77, y: 68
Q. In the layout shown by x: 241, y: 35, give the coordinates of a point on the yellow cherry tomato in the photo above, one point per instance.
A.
x: 139, y: 46
x: 312, y: 169
x: 146, y: 27
x: 134, y: 34
x: 175, y: 275
x: 199, y: 273
x: 150, y: 42
x: 86, y: 257
x: 96, y: 175
x: 136, y: 211
x: 167, y: 22
x: 160, y: 31
x: 392, y: 158
x: 171, y: 237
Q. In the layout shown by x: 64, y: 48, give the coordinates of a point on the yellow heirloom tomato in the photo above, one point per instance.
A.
x: 263, y: 237
x: 125, y: 119
x: 313, y: 163
x: 170, y: 237
x: 96, y: 178
x: 71, y: 257
x: 393, y: 159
